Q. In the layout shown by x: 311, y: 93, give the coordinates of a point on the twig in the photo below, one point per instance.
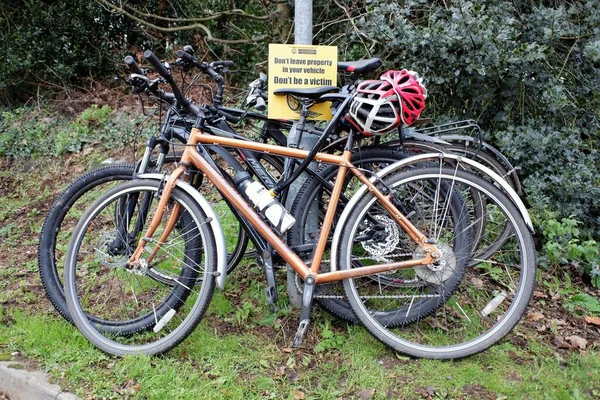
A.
x: 234, y: 12
x: 209, y: 35
x: 354, y: 26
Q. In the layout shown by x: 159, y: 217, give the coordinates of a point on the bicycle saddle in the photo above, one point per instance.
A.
x: 307, y: 93
x: 360, y: 66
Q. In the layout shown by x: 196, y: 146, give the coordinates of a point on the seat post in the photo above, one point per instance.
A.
x: 301, y: 125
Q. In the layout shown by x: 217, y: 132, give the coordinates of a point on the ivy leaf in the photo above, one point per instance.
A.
x: 586, y: 301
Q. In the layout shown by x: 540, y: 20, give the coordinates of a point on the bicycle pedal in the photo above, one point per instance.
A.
x: 299, y: 337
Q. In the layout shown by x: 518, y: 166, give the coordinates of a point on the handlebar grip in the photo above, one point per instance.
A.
x: 133, y: 67
x: 185, y: 56
x: 227, y: 63
x: 260, y: 104
x: 213, y: 74
x: 158, y: 66
x: 230, y: 118
x: 168, y: 97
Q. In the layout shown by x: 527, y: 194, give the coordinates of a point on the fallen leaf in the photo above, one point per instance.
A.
x: 292, y: 376
x: 577, y: 341
x: 299, y: 395
x: 558, y: 322
x: 541, y: 328
x: 535, y: 316
x: 281, y: 370
x: 539, y: 295
x: 478, y: 283
x: 365, y: 394
x: 287, y: 350
x: 561, y: 343
x: 592, y: 320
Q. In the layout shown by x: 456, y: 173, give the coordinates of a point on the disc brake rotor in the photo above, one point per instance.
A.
x: 384, y: 241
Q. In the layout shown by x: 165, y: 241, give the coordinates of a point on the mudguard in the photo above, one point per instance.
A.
x: 428, y: 157
x: 214, y: 224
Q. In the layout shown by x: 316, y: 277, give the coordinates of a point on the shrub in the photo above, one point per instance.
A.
x: 528, y: 72
x: 26, y: 132
x: 565, y: 243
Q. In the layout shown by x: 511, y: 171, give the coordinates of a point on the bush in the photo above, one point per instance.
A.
x: 26, y: 132
x: 528, y: 72
x: 566, y: 245
x: 53, y: 43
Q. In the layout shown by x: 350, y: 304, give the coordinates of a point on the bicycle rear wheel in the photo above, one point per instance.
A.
x: 313, y: 198
x: 487, y: 301
x: 149, y: 308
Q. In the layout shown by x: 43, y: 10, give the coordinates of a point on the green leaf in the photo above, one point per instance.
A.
x: 586, y: 301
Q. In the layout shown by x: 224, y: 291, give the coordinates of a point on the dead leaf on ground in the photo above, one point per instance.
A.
x: 577, y: 341
x: 427, y: 392
x: 535, y: 316
x: 561, y: 343
x: 365, y: 394
x: 299, y: 395
x: 593, y: 320
x: 478, y: 283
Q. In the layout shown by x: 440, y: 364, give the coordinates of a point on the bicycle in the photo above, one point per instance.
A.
x: 176, y: 126
x: 111, y: 174
x: 439, y: 250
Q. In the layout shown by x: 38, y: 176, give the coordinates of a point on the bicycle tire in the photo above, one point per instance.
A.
x: 330, y: 296
x: 50, y: 262
x: 102, y: 289
x: 476, y: 154
x: 494, y: 294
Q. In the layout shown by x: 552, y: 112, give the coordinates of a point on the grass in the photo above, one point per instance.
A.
x: 241, y: 351
x: 247, y: 363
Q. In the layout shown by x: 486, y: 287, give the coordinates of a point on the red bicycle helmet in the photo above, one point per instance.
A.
x: 375, y: 109
x: 408, y: 85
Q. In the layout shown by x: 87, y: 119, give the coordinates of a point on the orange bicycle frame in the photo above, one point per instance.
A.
x: 191, y: 157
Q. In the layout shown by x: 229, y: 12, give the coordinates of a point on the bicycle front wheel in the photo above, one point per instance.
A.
x: 153, y: 306
x: 484, y: 305
x: 71, y: 205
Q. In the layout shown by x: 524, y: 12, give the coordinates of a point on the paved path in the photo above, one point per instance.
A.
x: 20, y: 384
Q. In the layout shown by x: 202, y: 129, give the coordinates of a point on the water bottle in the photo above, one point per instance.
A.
x: 262, y: 199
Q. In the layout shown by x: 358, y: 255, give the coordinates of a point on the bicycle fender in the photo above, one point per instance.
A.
x: 215, y: 225
x: 497, y: 180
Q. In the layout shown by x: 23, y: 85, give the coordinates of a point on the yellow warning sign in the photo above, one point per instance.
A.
x: 300, y: 66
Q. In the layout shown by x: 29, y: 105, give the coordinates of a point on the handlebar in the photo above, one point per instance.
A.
x: 141, y: 83
x: 260, y: 104
x: 211, y: 70
x: 133, y: 67
x: 160, y: 68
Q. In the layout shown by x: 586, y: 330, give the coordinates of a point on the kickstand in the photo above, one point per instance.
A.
x: 307, y: 297
x: 271, y: 289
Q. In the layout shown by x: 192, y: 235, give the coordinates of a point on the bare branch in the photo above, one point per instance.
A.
x: 234, y: 12
x: 197, y: 25
x: 354, y: 26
